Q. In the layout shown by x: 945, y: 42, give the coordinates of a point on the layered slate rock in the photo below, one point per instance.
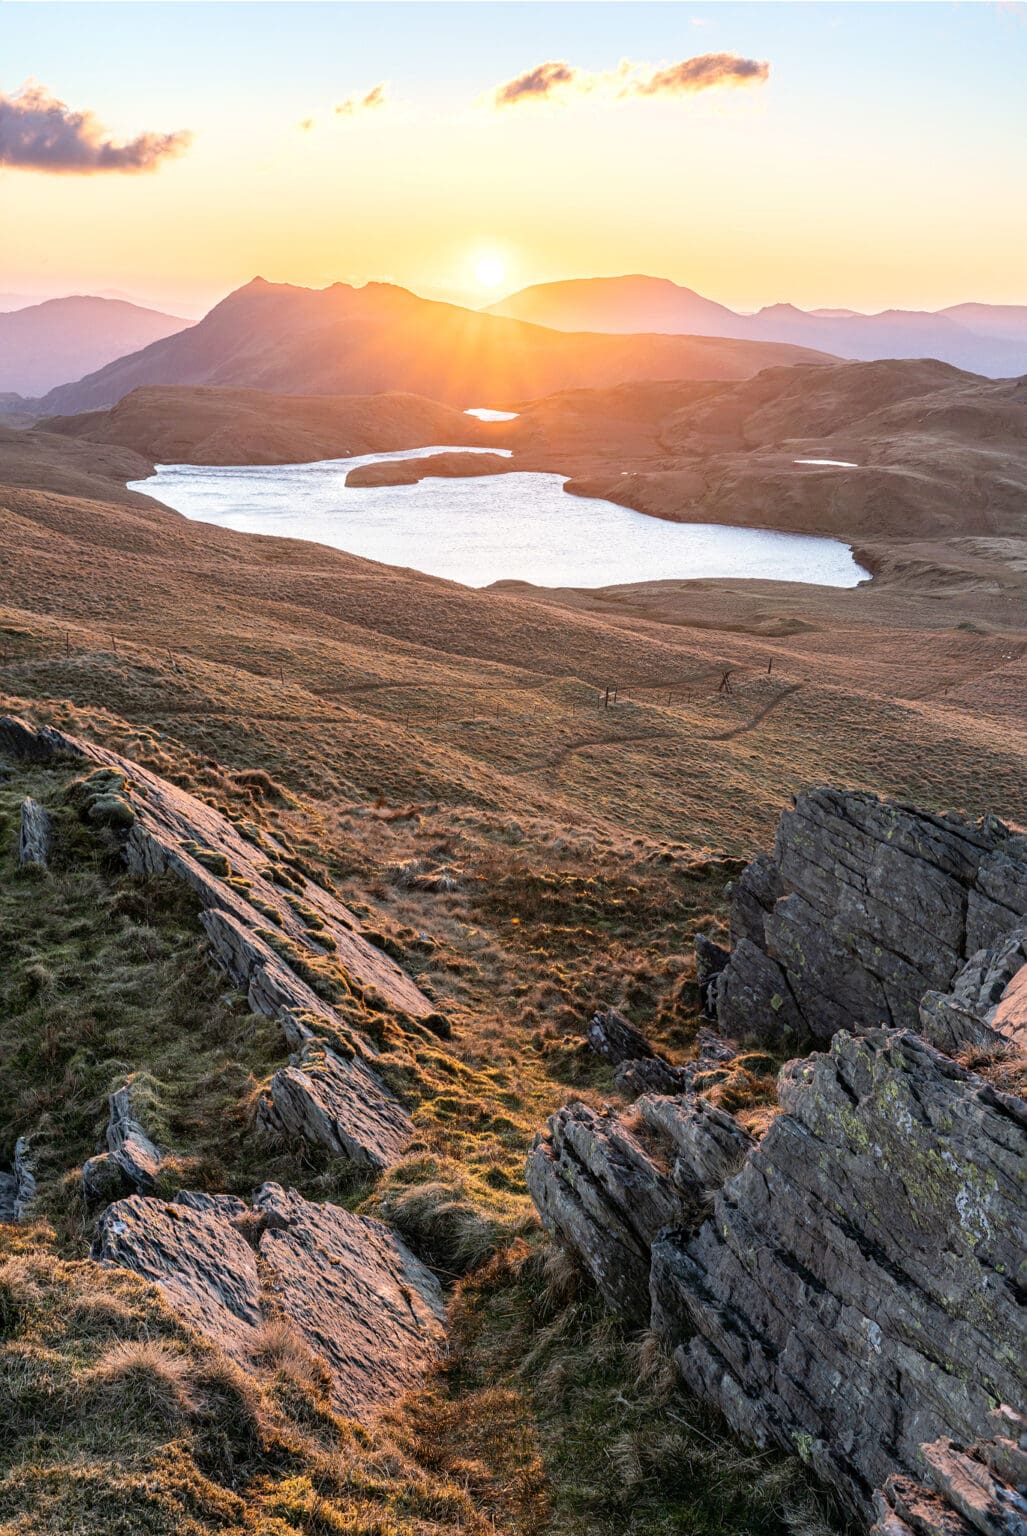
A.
x: 334, y: 1104
x: 34, y: 834
x: 371, y: 1310
x: 132, y: 1159
x: 606, y: 1190
x: 864, y: 907
x: 857, y: 1290
x: 205, y: 1268
x: 18, y: 1187
x: 358, y: 1297
x: 249, y: 888
x: 988, y: 1002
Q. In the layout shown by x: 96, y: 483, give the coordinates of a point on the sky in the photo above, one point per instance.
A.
x: 861, y: 155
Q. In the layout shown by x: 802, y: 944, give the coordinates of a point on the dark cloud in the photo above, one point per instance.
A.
x: 536, y: 84
x: 39, y: 133
x: 700, y: 74
x: 374, y: 99
x: 563, y: 81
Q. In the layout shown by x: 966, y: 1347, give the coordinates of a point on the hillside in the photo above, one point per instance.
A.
x: 46, y: 344
x: 344, y: 340
x: 241, y: 426
x: 932, y: 451
x: 984, y: 338
x: 418, y: 774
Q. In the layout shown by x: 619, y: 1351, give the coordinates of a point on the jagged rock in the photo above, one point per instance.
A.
x: 969, y: 1495
x: 709, y: 1143
x: 337, y: 1104
x: 988, y: 1000
x: 206, y: 1270
x: 18, y: 1188
x: 651, y: 1074
x: 370, y: 1310
x: 853, y: 1293
x: 227, y: 1207
x: 599, y: 1190
x: 710, y: 960
x: 753, y: 998
x: 242, y: 887
x: 34, y: 838
x: 865, y: 906
x: 128, y: 1144
x: 611, y: 1036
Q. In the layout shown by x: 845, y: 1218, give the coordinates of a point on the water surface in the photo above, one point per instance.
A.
x: 519, y: 526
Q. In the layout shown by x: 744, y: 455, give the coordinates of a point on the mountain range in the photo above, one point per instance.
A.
x: 42, y: 345
x: 344, y: 340
x: 982, y: 338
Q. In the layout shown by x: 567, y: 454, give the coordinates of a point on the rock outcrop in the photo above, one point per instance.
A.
x: 854, y: 1292
x: 18, y: 1188
x: 269, y: 926
x: 865, y: 906
x: 606, y: 1189
x: 348, y: 1286
x: 988, y: 1002
x: 335, y: 1105
x: 34, y: 836
x: 132, y: 1159
x: 851, y: 1287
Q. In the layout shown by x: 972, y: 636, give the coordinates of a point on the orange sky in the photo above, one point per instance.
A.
x: 842, y: 178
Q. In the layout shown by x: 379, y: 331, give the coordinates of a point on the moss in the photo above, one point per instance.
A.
x: 210, y: 858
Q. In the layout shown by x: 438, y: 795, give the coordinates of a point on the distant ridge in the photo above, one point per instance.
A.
x: 43, y: 344
x: 989, y: 339
x: 344, y: 340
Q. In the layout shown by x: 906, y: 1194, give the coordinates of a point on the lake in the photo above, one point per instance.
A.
x: 521, y: 526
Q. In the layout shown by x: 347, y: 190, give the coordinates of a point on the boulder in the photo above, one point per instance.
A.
x: 18, y: 1188
x: 337, y: 1104
x: 366, y: 1306
x: 128, y: 1144
x: 204, y: 1267
x: 34, y: 837
x: 650, y: 1074
x: 854, y: 1292
x: 865, y: 906
x: 352, y: 1290
x: 615, y: 1039
x: 710, y: 960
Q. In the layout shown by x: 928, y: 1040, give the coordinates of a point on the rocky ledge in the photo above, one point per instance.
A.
x: 270, y: 926
x: 345, y: 1284
x: 850, y: 1288
x: 864, y: 906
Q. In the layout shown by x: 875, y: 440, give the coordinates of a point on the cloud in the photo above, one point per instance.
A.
x: 39, y: 133
x: 701, y: 73
x: 374, y: 99
x: 535, y: 84
x: 558, y: 81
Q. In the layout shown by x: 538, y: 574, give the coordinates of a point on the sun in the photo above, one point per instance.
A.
x: 490, y: 271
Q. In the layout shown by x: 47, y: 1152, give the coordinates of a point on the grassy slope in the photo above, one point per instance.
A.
x: 527, y: 857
